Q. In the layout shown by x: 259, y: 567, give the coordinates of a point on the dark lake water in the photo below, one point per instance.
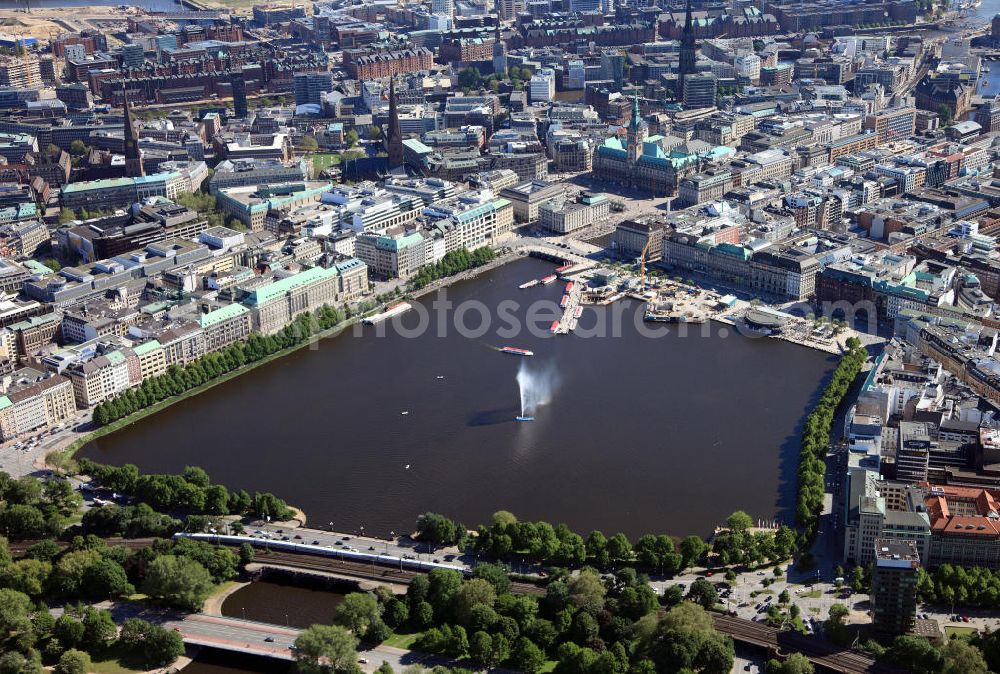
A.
x: 664, y: 435
x: 211, y: 661
x: 283, y: 604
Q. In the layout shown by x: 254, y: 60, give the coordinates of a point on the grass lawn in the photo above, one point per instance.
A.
x: 815, y: 594
x: 322, y: 161
x: 402, y: 640
x: 111, y: 666
x: 108, y: 663
x: 958, y: 631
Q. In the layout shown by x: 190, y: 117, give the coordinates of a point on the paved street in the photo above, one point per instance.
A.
x: 25, y: 460
x: 246, y: 636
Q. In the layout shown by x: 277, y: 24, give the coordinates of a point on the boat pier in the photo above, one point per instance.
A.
x: 570, y: 315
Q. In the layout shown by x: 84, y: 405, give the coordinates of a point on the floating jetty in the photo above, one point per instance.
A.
x: 549, y: 279
x: 554, y: 328
x: 525, y: 418
x: 565, y: 267
x: 394, y: 310
x: 570, y: 304
x: 530, y: 284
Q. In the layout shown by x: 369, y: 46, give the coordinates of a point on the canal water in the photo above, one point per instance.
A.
x: 640, y: 434
x: 280, y: 603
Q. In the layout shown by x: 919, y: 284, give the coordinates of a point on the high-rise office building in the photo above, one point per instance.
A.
x: 894, y: 585
x: 309, y: 87
x: 133, y: 56
x: 699, y: 90
x: 542, y: 85
x: 239, y: 85
x: 443, y: 7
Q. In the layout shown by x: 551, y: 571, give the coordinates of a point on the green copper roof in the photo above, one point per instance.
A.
x: 223, y: 314
x: 281, y: 288
x: 147, y: 347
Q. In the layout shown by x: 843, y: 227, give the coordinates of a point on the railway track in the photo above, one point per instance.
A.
x: 819, y: 652
x: 18, y: 549
x: 361, y: 569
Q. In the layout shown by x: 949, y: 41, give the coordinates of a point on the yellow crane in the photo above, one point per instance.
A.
x: 642, y: 264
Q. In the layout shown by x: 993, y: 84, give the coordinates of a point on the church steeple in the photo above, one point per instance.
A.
x: 499, y: 51
x: 133, y: 157
x: 394, y: 136
x: 687, y: 53
x: 636, y: 132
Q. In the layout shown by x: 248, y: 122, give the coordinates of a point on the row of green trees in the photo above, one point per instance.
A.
x: 918, y: 655
x: 541, y: 542
x: 452, y: 263
x: 190, y: 492
x: 955, y: 585
x: 816, y: 438
x: 179, y: 379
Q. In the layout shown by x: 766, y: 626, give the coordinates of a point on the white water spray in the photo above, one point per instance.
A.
x: 537, y: 385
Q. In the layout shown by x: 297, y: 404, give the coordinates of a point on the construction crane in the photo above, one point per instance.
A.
x: 642, y: 264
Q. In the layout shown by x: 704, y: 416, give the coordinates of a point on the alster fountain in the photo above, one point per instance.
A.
x: 536, y: 385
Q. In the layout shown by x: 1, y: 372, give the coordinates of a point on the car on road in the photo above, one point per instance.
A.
x: 297, y: 537
x: 338, y: 543
x: 371, y: 547
x: 315, y: 542
x: 363, y: 661
x: 269, y: 640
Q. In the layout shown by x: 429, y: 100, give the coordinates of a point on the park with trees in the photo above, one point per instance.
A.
x: 584, y: 624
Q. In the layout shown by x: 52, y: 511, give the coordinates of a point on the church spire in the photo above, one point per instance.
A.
x: 394, y: 137
x: 499, y: 50
x: 687, y: 53
x: 133, y: 157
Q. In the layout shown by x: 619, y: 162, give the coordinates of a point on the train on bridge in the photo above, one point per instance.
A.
x: 326, y: 551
